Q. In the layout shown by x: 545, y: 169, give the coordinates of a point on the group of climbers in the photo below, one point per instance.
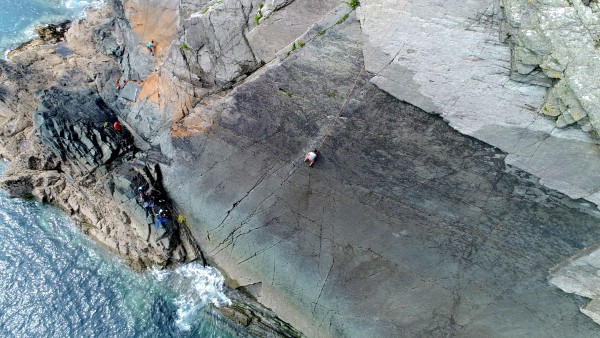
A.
x: 152, y: 199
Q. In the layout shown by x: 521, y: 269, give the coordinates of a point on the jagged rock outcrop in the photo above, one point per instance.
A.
x: 558, y: 39
x: 58, y: 134
x: 79, y: 127
x: 215, y: 36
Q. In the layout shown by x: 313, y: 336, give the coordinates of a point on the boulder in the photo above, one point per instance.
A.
x: 79, y: 126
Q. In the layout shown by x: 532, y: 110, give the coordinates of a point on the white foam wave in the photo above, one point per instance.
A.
x: 78, y: 4
x: 197, y: 287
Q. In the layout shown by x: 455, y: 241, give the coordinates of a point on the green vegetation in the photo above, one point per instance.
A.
x: 354, y: 3
x: 301, y: 44
x: 184, y: 47
x: 322, y: 32
x: 210, y: 5
x: 259, y: 14
x: 330, y: 94
x: 293, y: 48
x: 286, y: 92
x: 342, y: 19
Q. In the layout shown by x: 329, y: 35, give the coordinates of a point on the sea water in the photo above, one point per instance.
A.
x: 18, y: 18
x: 56, y: 282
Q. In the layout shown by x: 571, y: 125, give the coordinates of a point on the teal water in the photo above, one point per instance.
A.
x: 56, y: 282
x: 19, y: 17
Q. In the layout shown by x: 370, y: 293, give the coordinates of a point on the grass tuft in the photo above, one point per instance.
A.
x: 286, y: 92
x: 342, y: 19
x: 259, y: 14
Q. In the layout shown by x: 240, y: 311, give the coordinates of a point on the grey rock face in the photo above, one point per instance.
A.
x: 403, y: 227
x: 450, y: 62
x: 559, y: 38
x: 215, y: 43
x: 79, y: 126
x: 285, y: 22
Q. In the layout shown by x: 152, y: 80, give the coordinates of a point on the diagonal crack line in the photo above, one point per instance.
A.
x: 256, y: 184
x: 259, y: 182
x: 323, y: 286
x: 233, y: 235
x: 261, y: 251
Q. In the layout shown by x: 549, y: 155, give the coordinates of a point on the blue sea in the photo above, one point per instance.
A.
x: 56, y: 282
x: 18, y: 18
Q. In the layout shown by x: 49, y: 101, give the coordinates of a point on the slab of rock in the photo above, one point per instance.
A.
x: 281, y: 23
x: 130, y: 91
x: 450, y: 62
x: 404, y: 227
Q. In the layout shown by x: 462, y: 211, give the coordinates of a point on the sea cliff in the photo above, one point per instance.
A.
x: 409, y: 223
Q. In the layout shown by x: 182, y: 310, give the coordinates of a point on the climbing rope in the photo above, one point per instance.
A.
x: 145, y: 19
x: 362, y: 69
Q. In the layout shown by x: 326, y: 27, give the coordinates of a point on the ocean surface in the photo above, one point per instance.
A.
x: 56, y: 282
x: 18, y: 18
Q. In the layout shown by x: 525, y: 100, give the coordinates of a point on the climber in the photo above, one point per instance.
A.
x: 148, y: 206
x: 141, y: 191
x: 117, y: 88
x: 311, y: 157
x: 161, y: 218
x: 117, y: 126
x: 163, y: 213
x: 151, y: 45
